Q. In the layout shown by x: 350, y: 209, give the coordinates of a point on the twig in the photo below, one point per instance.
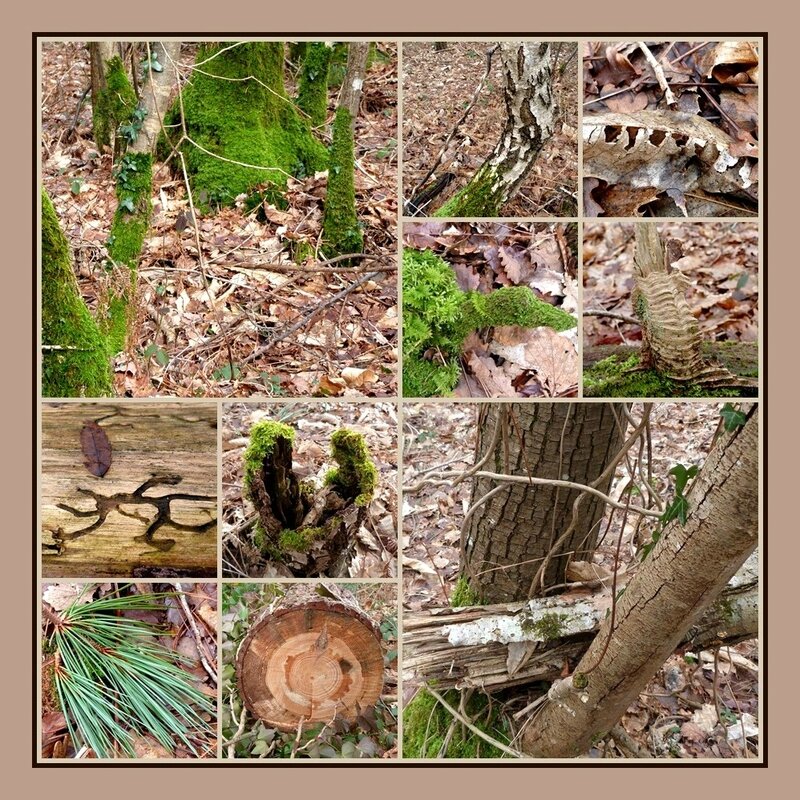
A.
x: 198, y: 639
x: 598, y: 312
x: 272, y: 267
x: 477, y: 731
x: 658, y: 71
x: 240, y: 732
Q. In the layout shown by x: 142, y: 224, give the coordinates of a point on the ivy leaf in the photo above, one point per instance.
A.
x: 732, y: 417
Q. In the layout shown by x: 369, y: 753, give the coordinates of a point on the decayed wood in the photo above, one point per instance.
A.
x: 497, y: 646
x: 312, y: 656
x: 153, y: 513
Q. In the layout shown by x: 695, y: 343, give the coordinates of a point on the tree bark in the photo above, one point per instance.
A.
x: 153, y: 513
x: 530, y: 115
x: 312, y: 656
x: 681, y: 577
x: 156, y: 94
x: 499, y: 646
x: 505, y: 540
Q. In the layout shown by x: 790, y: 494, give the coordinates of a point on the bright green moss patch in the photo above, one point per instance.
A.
x: 426, y: 724
x: 463, y: 594
x: 263, y: 437
x: 438, y: 316
x: 356, y: 475
x: 481, y: 197
x: 299, y: 540
x: 249, y: 120
x: 312, y: 92
x: 115, y: 105
x: 548, y: 626
x: 80, y: 364
x: 341, y: 232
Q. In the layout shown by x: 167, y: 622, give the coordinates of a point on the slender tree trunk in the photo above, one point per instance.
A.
x: 100, y: 53
x: 507, y: 537
x: 681, y: 577
x: 530, y: 115
x: 156, y: 94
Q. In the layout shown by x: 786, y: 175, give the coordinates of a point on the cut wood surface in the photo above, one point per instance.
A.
x: 312, y: 656
x: 506, y: 644
x: 152, y: 513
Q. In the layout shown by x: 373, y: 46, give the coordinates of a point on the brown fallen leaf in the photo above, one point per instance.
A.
x: 96, y: 449
x: 358, y: 377
x: 491, y: 379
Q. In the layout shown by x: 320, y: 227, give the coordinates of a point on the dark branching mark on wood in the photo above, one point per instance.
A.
x: 105, y: 505
x: 96, y: 448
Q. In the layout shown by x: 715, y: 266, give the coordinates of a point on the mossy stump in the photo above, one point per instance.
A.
x: 307, y: 529
x: 313, y: 656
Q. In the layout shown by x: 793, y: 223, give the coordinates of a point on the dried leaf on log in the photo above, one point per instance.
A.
x: 96, y: 449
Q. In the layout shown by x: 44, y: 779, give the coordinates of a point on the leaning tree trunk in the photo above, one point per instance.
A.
x: 313, y: 656
x: 681, y: 577
x: 519, y: 524
x: 530, y: 114
x: 671, y: 340
x: 340, y: 230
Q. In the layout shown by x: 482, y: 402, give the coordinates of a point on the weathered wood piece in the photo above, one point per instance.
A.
x: 314, y: 655
x: 497, y: 646
x: 153, y: 512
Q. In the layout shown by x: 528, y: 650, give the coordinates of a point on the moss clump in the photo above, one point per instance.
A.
x: 340, y: 229
x: 248, y: 119
x: 83, y: 367
x: 312, y: 92
x: 438, y: 316
x: 463, y: 594
x: 134, y: 177
x: 115, y: 105
x: 426, y: 724
x: 548, y: 626
x: 300, y: 540
x: 481, y: 197
x: 263, y: 438
x: 356, y: 475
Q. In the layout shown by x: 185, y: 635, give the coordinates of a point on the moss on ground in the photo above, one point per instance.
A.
x: 463, y: 594
x: 81, y: 366
x: 438, y: 316
x: 312, y: 91
x: 115, y: 105
x: 341, y: 232
x: 426, y: 724
x: 300, y: 540
x: 237, y: 108
x: 356, y: 476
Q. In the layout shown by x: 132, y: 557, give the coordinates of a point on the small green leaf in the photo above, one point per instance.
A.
x: 226, y: 373
x: 75, y: 185
x: 732, y: 417
x: 742, y: 282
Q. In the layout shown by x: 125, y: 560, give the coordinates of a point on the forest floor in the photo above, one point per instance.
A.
x: 200, y: 320
x: 675, y: 715
x: 375, y: 548
x: 438, y: 85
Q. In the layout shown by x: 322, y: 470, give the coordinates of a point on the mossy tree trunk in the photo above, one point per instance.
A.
x: 687, y: 569
x: 341, y: 230
x: 508, y: 536
x: 312, y: 93
x: 530, y: 115
x: 241, y: 128
x: 312, y: 656
x: 76, y: 359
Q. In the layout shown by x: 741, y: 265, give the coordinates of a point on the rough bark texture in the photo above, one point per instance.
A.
x: 683, y: 574
x: 494, y: 647
x: 312, y: 656
x: 519, y: 524
x: 100, y: 54
x: 671, y: 340
x: 530, y: 114
x: 156, y: 94
x: 152, y: 513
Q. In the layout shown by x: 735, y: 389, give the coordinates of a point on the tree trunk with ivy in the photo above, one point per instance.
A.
x: 530, y: 118
x: 506, y: 539
x: 683, y: 574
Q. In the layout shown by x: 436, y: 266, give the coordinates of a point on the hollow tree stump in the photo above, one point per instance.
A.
x: 312, y: 656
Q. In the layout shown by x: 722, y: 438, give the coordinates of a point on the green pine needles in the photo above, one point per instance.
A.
x: 113, y: 679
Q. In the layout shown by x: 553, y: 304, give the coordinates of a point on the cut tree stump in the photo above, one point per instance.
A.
x: 313, y: 656
x: 152, y: 512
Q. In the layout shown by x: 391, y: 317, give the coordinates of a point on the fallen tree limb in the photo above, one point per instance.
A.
x: 508, y: 644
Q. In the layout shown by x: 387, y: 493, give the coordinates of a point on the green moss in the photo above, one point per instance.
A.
x: 338, y: 65
x: 618, y: 377
x: 302, y: 251
x: 83, y: 367
x: 548, y: 626
x: 438, y: 316
x: 249, y: 120
x: 312, y: 94
x: 579, y: 680
x: 356, y: 475
x: 426, y: 724
x: 115, y: 105
x: 463, y: 594
x: 341, y: 232
x: 300, y: 540
x: 481, y: 197
x: 263, y: 436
